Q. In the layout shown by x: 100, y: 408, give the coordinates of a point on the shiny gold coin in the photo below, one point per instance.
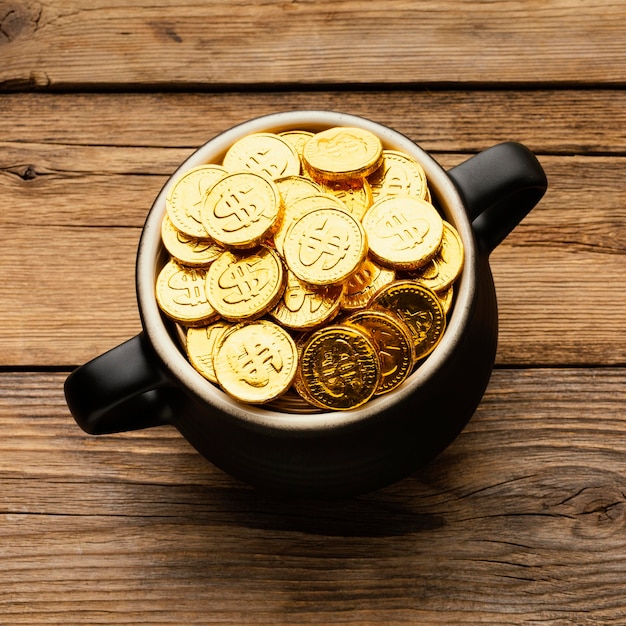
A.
x: 303, y: 306
x: 444, y: 268
x: 245, y: 286
x: 399, y: 174
x: 364, y: 283
x: 342, y: 153
x: 419, y: 308
x: 403, y: 232
x: 201, y: 346
x: 241, y: 210
x: 339, y: 368
x: 263, y: 153
x: 298, y: 207
x: 181, y: 294
x: 393, y: 342
x: 256, y: 362
x: 356, y: 196
x: 325, y: 246
x: 446, y: 298
x: 297, y: 138
x: 184, y: 200
x: 188, y: 250
x: 292, y: 188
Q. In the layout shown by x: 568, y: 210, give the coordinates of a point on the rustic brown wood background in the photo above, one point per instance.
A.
x: 521, y: 521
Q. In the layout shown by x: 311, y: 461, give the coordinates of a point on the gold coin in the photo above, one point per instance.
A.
x: 181, y: 294
x: 419, y: 308
x: 399, y: 174
x: 393, y: 342
x: 245, y: 286
x: 201, y: 346
x: 188, y: 250
x: 241, y: 210
x: 297, y: 138
x: 403, y: 232
x: 184, y: 200
x: 339, y: 368
x: 356, y: 196
x: 342, y: 153
x: 256, y: 362
x: 364, y: 283
x: 444, y: 268
x: 298, y: 207
x: 325, y: 246
x: 303, y: 306
x: 263, y: 153
x: 446, y: 298
x: 292, y: 188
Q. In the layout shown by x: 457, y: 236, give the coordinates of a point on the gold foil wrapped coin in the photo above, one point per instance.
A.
x: 403, y: 232
x: 298, y: 207
x: 181, y: 295
x: 419, y: 308
x: 399, y: 174
x: 444, y: 268
x: 256, y: 362
x: 339, y: 368
x: 364, y: 283
x: 292, y: 188
x: 241, y: 210
x: 355, y: 196
x: 188, y: 250
x: 342, y: 153
x: 393, y: 342
x: 297, y: 138
x: 186, y: 196
x: 245, y: 286
x: 304, y: 307
x: 263, y: 153
x: 201, y: 346
x: 325, y: 246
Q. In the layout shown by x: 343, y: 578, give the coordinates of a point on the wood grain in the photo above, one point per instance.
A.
x: 519, y: 521
x: 81, y: 43
x: 73, y: 214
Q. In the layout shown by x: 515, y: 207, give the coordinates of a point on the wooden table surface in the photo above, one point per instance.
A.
x: 520, y: 521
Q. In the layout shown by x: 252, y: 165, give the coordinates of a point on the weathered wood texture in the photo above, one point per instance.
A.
x: 77, y: 187
x: 520, y: 521
x: 70, y: 44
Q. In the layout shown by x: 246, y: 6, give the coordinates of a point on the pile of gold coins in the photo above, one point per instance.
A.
x: 307, y: 268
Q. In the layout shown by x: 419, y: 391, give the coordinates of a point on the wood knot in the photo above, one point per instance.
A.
x: 18, y: 19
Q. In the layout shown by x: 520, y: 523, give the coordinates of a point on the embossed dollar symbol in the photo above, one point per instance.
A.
x: 338, y: 369
x: 246, y: 280
x: 191, y: 286
x: 254, y: 362
x: 268, y: 162
x: 240, y: 208
x: 343, y: 144
x: 322, y: 241
x: 408, y: 232
x: 297, y: 294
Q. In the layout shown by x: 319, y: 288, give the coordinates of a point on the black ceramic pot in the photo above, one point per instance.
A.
x: 147, y: 381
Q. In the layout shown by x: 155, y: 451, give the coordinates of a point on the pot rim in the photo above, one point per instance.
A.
x: 151, y: 254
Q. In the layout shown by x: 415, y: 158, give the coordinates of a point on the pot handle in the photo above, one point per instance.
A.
x: 120, y: 390
x: 499, y: 186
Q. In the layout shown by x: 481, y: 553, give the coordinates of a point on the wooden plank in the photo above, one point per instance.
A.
x: 79, y: 43
x: 70, y: 236
x: 519, y: 521
x: 548, y: 121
